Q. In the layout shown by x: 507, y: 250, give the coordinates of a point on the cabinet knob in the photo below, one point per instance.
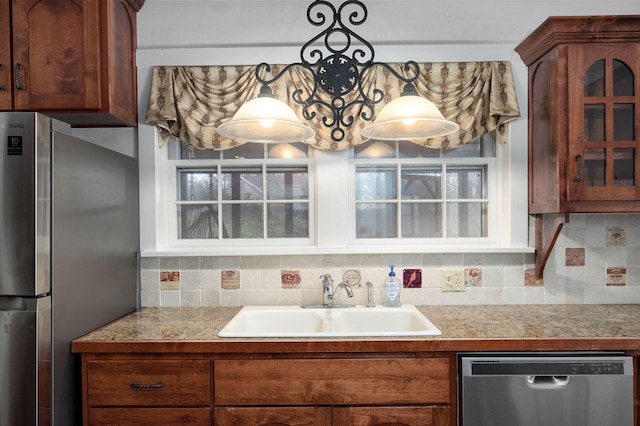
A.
x: 19, y: 68
x: 1, y: 69
x: 139, y: 385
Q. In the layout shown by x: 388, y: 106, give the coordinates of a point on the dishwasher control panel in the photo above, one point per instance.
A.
x: 544, y: 367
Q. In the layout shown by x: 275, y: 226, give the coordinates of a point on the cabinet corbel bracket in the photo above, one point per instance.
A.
x: 544, y: 244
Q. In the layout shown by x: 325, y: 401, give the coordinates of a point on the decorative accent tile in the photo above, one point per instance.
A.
x: 230, y: 280
x: 473, y: 277
x: 169, y: 280
x: 412, y: 278
x: 530, y: 279
x: 616, y: 236
x: 574, y: 256
x: 616, y: 276
x: 352, y: 277
x: 290, y: 278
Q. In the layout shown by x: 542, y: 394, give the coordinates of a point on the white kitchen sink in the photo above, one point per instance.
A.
x: 296, y: 321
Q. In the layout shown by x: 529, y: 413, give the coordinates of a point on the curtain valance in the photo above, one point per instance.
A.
x: 190, y: 102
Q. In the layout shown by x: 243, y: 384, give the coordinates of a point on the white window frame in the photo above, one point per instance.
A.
x: 232, y: 243
x: 333, y: 212
x: 493, y: 231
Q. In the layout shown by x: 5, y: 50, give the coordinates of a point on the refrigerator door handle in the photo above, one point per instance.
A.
x: 138, y: 385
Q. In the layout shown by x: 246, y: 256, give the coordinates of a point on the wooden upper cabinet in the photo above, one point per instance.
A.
x: 584, y: 114
x: 5, y: 57
x: 74, y: 60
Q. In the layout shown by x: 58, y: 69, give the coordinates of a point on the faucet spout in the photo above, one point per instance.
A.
x: 329, y: 294
x: 347, y: 288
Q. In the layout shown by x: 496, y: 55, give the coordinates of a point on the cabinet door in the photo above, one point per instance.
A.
x: 5, y: 57
x: 398, y: 416
x: 56, y: 50
x: 604, y: 112
x: 280, y: 416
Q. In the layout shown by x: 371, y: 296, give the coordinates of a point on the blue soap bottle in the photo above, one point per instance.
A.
x: 391, y: 297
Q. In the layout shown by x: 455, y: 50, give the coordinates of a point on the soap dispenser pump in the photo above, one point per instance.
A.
x: 391, y: 290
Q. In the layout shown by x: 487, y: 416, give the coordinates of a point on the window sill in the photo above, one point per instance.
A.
x: 297, y: 251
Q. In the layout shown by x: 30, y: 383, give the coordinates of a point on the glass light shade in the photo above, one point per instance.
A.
x: 409, y: 117
x: 265, y: 119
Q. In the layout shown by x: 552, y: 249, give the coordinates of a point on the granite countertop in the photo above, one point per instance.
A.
x: 464, y: 328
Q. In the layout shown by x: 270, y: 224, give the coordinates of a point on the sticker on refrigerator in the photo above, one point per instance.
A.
x: 14, y: 145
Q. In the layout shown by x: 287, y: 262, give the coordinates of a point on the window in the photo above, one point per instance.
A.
x: 405, y: 191
x: 251, y: 193
x: 262, y: 195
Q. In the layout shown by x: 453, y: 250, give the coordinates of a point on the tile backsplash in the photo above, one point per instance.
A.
x: 596, y: 259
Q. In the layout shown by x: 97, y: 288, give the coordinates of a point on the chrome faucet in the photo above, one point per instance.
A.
x: 329, y: 294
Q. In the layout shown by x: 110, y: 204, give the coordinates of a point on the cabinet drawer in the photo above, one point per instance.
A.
x: 149, y: 416
x: 369, y: 416
x: 148, y: 383
x: 281, y: 416
x: 332, y: 381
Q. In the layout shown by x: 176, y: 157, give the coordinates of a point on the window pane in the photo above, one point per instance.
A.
x: 466, y: 220
x: 242, y: 221
x: 189, y: 152
x: 376, y: 183
x: 412, y: 150
x: 421, y: 183
x: 197, y: 221
x: 376, y: 220
x: 288, y: 220
x: 197, y: 185
x: 375, y: 149
x: 466, y: 182
x: 242, y: 183
x: 594, y: 123
x: 623, y: 170
x: 594, y: 79
x: 622, y: 79
x: 287, y: 183
x: 247, y: 150
x: 468, y: 150
x: 623, y: 122
x: 421, y: 220
x: 594, y: 167
x: 289, y: 150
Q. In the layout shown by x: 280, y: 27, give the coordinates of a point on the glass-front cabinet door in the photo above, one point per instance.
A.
x: 603, y: 129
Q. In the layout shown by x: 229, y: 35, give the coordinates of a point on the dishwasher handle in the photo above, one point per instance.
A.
x: 547, y: 382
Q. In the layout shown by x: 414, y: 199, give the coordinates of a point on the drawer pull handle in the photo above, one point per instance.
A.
x: 138, y: 385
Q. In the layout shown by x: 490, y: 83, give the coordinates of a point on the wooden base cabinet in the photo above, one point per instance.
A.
x: 338, y: 392
x: 269, y: 389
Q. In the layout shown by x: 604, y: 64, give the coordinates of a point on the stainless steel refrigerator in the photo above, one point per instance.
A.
x: 68, y: 261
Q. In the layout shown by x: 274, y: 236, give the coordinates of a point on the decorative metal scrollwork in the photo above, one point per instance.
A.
x: 337, y: 69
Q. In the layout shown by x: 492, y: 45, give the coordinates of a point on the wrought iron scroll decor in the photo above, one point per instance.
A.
x: 338, y: 70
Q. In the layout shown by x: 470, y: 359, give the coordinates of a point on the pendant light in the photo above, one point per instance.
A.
x: 409, y: 117
x: 338, y: 77
x: 265, y: 119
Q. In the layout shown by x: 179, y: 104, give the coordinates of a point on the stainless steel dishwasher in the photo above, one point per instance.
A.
x: 533, y: 389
